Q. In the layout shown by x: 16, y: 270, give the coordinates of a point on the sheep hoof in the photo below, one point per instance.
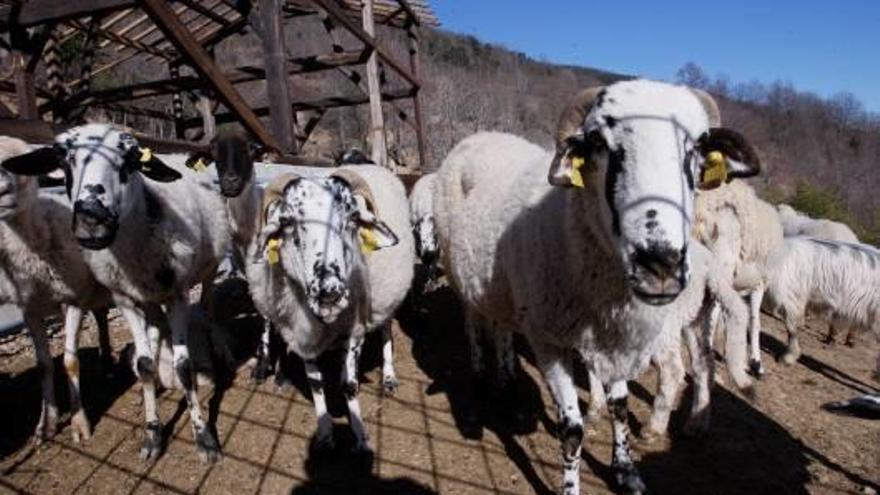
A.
x: 323, y: 443
x: 789, y: 358
x: 152, y: 444
x: 756, y: 368
x: 390, y: 384
x: 80, y: 427
x: 46, y: 426
x: 628, y: 479
x: 207, y: 446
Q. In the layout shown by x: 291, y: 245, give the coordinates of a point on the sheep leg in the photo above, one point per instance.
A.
x: 671, y: 375
x: 79, y: 423
x: 473, y: 330
x: 144, y: 364
x: 178, y: 320
x: 699, y: 342
x: 625, y: 472
x: 104, y: 346
x: 555, y: 364
x: 265, y: 363
x: 597, y: 402
x: 351, y: 387
x: 389, y: 376
x: 755, y: 299
x: 505, y: 357
x: 794, y: 347
x: 49, y: 409
x: 324, y: 434
x: 850, y: 337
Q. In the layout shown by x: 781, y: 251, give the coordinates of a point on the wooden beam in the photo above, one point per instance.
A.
x: 122, y: 40
x: 42, y: 11
x: 176, y: 32
x: 315, y: 105
x: 379, y: 149
x: 268, y: 17
x: 40, y: 132
x: 205, y: 11
x: 413, y: 38
x: 331, y: 8
x: 404, y: 4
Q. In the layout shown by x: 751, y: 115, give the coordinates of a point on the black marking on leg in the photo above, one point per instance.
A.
x: 572, y: 435
x: 183, y: 368
x: 153, y: 427
x: 146, y: 368
x: 618, y: 408
x: 350, y: 388
x: 315, y: 385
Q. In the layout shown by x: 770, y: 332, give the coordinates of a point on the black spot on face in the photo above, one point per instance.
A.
x: 652, y: 213
x: 651, y: 224
x: 610, y: 121
x: 615, y: 168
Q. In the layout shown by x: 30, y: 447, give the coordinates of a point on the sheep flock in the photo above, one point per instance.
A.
x: 636, y: 237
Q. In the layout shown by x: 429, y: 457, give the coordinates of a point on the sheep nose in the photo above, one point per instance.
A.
x: 662, y: 262
x: 93, y: 212
x: 330, y: 294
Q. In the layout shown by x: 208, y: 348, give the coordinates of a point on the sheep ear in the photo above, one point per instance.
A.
x: 727, y: 155
x: 38, y: 162
x: 155, y: 168
x: 199, y: 160
x: 566, y: 169
x: 374, y: 233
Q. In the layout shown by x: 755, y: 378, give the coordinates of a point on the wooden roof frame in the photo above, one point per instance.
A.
x: 184, y: 32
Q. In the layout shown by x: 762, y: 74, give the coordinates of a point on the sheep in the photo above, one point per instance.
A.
x: 309, y: 276
x: 421, y: 200
x: 390, y: 270
x: 742, y: 231
x: 42, y: 271
x: 837, y: 277
x: 599, y: 260
x: 796, y: 223
x: 147, y: 243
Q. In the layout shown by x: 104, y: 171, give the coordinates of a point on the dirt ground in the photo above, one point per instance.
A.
x: 443, y: 432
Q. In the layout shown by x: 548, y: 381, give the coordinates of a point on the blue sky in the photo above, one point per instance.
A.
x: 824, y: 47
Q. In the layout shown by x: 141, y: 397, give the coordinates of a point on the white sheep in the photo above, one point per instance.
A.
x: 742, y: 231
x: 390, y: 269
x: 308, y: 274
x: 599, y: 261
x: 421, y: 200
x: 148, y: 243
x: 839, y: 278
x: 43, y: 270
x: 797, y: 223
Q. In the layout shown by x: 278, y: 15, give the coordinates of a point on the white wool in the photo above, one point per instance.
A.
x: 841, y: 277
x: 797, y: 223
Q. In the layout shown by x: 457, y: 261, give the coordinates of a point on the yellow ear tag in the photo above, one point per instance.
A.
x: 715, y: 171
x: 199, y: 165
x: 273, y: 250
x: 369, y: 242
x: 146, y: 155
x: 577, y: 162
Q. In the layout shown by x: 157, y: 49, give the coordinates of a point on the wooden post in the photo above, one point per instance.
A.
x: 377, y: 124
x: 177, y: 102
x: 23, y: 74
x: 277, y: 84
x: 209, y: 123
x: 412, y: 34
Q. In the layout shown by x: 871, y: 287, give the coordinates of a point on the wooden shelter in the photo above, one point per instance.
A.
x: 183, y: 33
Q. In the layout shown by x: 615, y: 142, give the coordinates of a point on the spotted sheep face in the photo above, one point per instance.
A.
x: 103, y: 169
x: 426, y: 238
x: 641, y: 148
x: 314, y: 229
